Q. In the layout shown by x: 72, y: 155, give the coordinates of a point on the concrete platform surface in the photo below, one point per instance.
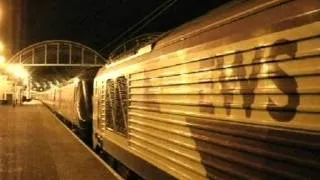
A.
x: 36, y: 146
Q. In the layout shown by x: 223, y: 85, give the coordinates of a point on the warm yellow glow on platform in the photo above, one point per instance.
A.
x: 2, y: 59
x: 18, y: 70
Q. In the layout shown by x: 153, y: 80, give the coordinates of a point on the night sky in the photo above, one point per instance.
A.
x: 97, y: 22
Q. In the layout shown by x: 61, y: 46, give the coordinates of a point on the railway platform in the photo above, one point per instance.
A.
x: 35, y: 145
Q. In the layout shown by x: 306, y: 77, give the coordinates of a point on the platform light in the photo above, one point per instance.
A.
x: 76, y: 80
x: 18, y: 70
x: 25, y: 81
x: 2, y: 59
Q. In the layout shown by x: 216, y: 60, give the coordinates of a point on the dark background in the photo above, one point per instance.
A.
x: 97, y: 22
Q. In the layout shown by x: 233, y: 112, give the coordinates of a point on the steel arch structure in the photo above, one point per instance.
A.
x: 58, y: 53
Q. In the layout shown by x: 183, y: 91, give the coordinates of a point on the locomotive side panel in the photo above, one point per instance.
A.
x: 238, y: 100
x: 67, y: 103
x: 46, y: 97
x: 194, y: 116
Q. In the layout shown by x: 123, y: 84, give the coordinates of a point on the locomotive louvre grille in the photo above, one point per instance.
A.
x: 114, y: 104
x: 121, y: 104
x: 110, y: 104
x: 102, y: 101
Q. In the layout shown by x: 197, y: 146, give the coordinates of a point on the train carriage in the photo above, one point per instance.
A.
x: 72, y: 101
x: 232, y: 94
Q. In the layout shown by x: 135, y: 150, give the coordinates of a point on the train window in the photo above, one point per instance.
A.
x: 121, y: 103
x: 110, y: 104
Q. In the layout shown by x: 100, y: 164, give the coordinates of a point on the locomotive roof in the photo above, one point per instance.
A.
x: 214, y: 17
x: 197, y: 25
x: 87, y: 74
x: 191, y: 28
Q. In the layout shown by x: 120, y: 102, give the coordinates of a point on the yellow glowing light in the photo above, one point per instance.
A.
x: 25, y: 82
x: 17, y: 70
x: 76, y: 80
x: 2, y: 59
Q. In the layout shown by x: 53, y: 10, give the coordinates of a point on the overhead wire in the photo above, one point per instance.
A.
x: 152, y: 18
x: 138, y: 23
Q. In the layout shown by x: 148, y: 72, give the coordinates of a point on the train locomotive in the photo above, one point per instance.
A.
x: 233, y: 94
